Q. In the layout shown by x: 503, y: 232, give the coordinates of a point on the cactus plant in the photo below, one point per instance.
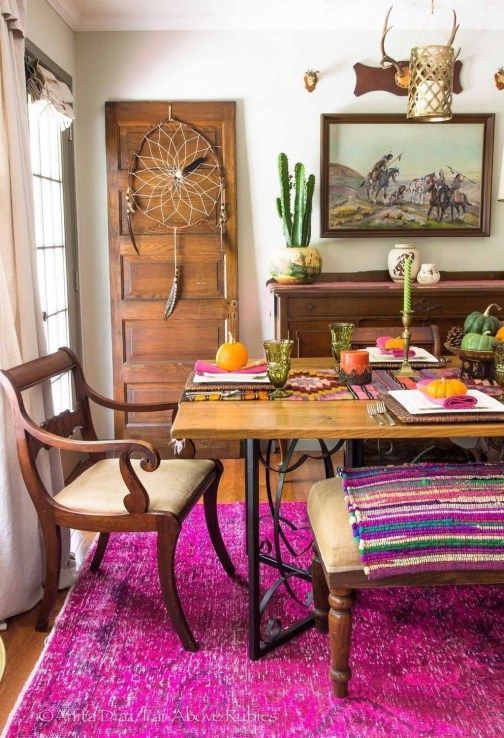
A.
x: 297, y: 225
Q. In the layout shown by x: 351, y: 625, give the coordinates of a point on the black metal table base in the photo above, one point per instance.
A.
x: 263, y: 641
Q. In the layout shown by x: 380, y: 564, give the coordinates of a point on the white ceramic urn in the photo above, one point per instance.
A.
x: 428, y: 274
x: 397, y: 257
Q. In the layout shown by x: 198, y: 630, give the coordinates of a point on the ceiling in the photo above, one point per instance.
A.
x: 149, y: 15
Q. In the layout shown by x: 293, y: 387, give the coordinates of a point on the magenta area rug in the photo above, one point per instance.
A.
x: 427, y: 662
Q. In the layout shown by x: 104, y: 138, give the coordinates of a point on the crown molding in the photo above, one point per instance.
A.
x: 68, y: 11
x: 323, y: 15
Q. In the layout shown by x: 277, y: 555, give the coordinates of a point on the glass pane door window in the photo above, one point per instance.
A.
x: 48, y: 192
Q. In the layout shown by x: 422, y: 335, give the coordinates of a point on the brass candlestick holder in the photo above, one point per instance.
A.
x: 406, y: 369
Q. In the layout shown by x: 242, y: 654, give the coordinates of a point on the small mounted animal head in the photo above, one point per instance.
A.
x: 311, y: 78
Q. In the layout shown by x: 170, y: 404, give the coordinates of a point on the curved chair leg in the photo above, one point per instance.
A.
x: 320, y: 594
x: 340, y: 632
x: 212, y: 521
x: 52, y: 545
x: 168, y: 532
x: 101, y: 546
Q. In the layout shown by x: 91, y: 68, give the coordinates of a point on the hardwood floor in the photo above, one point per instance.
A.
x: 24, y: 645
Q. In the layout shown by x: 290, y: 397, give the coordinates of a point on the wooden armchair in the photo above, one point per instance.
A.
x: 113, y: 492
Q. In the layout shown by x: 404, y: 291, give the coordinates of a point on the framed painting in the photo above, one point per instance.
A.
x: 385, y: 175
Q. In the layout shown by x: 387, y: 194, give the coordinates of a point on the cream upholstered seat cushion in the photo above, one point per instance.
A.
x: 330, y: 522
x: 100, y: 490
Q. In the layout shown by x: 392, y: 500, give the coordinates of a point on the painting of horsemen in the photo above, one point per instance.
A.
x: 383, y: 174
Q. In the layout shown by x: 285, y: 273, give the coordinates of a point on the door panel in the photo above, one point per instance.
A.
x: 153, y: 357
x: 148, y: 280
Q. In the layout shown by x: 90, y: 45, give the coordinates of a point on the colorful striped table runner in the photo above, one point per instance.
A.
x: 311, y: 385
x: 427, y: 517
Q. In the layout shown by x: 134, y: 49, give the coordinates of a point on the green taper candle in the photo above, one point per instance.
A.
x: 407, y: 285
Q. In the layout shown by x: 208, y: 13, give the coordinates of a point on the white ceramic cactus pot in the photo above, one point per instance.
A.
x: 295, y: 264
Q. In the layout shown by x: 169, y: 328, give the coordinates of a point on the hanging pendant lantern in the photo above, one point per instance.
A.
x: 431, y: 85
x: 430, y: 89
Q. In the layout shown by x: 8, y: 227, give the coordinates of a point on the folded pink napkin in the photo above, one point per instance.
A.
x: 460, y: 402
x: 206, y: 367
x: 381, y: 342
x: 399, y: 353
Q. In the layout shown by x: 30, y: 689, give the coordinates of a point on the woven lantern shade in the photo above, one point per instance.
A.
x: 431, y: 85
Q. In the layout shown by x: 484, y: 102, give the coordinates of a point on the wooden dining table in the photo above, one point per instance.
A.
x: 343, y: 421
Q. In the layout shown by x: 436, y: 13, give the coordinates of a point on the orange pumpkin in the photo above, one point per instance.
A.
x: 231, y: 355
x: 441, y: 388
x: 394, y: 343
x: 500, y: 334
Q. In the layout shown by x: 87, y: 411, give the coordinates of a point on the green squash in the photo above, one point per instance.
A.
x: 478, y: 342
x: 481, y: 322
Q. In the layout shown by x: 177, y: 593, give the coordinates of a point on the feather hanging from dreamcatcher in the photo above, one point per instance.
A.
x: 174, y: 292
x: 129, y: 211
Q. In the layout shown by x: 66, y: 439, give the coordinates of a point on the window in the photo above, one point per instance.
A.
x: 54, y: 232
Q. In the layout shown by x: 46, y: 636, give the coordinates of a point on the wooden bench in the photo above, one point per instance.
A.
x: 338, y: 570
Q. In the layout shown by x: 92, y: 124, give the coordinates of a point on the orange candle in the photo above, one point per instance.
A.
x: 354, y: 367
x: 354, y: 361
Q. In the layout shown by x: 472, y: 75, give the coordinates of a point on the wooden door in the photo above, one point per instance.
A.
x: 152, y: 357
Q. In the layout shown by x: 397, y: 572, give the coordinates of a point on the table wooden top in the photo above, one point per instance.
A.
x: 238, y: 420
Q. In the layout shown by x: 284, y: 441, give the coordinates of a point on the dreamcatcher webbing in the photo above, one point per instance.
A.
x: 175, y: 180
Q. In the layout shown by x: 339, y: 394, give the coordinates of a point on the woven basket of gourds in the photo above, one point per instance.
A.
x: 481, y: 332
x: 470, y: 355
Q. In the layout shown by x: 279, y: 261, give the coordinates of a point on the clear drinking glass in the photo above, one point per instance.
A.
x: 341, y: 339
x: 278, y: 361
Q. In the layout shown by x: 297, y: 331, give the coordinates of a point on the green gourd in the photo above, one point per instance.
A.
x: 482, y: 322
x: 478, y: 342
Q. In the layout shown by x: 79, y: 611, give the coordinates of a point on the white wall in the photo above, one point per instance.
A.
x: 51, y: 34
x: 263, y: 72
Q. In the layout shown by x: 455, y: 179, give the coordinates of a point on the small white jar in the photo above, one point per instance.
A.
x: 428, y: 274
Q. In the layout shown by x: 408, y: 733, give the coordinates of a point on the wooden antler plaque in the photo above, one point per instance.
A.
x: 370, y: 79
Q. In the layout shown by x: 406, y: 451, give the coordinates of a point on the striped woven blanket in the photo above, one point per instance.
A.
x: 427, y: 517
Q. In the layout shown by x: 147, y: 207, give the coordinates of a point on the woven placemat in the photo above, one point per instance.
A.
x: 193, y: 386
x: 405, y: 417
x: 441, y: 363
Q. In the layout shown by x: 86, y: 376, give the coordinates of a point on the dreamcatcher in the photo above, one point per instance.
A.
x: 175, y: 179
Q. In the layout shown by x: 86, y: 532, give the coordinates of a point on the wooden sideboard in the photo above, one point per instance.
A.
x: 303, y: 312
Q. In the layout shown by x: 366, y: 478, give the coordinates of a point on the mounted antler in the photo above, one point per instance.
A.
x: 454, y: 33
x: 454, y: 30
x: 402, y: 75
x: 387, y: 60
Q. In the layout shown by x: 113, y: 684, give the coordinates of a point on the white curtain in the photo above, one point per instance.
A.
x: 21, y: 330
x: 48, y: 93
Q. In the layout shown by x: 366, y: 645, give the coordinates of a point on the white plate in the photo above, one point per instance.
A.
x: 421, y: 354
x: 416, y: 403
x: 230, y: 377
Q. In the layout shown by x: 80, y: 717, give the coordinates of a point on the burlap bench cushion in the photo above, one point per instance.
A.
x: 329, y: 520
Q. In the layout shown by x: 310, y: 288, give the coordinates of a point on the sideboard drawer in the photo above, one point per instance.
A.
x: 347, y: 306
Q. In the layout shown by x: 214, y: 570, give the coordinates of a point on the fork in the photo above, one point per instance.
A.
x: 373, y: 413
x: 382, y: 410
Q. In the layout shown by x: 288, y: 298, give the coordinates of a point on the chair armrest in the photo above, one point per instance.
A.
x: 137, y: 501
x: 85, y: 389
x: 150, y: 460
x: 130, y: 406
